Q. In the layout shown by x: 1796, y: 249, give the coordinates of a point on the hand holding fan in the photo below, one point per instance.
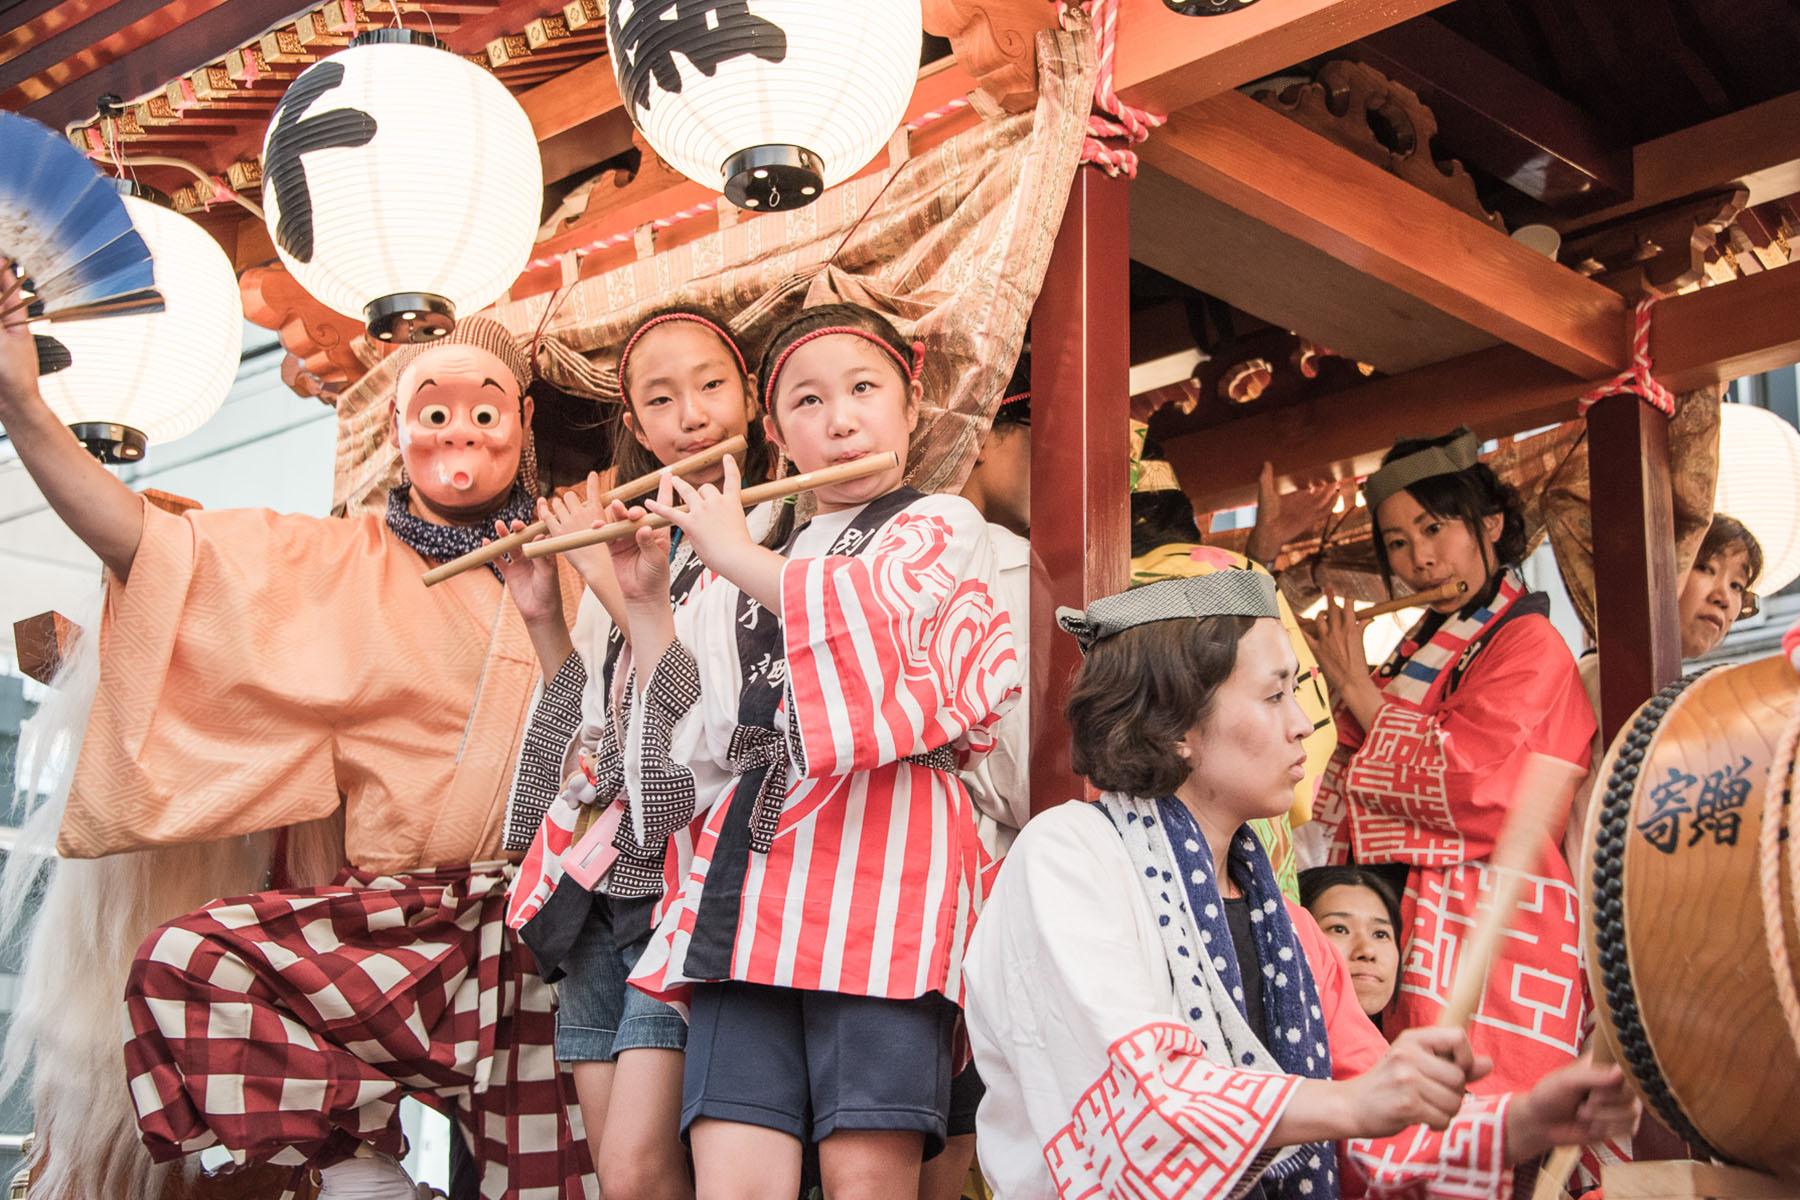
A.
x: 67, y: 228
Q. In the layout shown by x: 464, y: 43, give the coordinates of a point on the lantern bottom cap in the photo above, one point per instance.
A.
x: 409, y: 317
x: 1207, y: 8
x: 111, y: 442
x: 772, y: 178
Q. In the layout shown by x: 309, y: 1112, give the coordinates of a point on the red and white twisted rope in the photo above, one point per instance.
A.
x: 1636, y: 379
x: 1116, y: 119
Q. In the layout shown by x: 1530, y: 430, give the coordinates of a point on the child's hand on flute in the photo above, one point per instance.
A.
x: 714, y: 518
x: 641, y: 563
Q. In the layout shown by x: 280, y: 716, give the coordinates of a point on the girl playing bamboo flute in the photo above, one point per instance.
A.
x: 1432, y: 744
x: 685, y: 388
x: 837, y: 685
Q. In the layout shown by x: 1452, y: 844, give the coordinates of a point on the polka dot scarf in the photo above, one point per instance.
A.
x: 1175, y: 865
x: 441, y: 543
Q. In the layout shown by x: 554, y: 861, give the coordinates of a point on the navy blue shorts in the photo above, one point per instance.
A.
x: 598, y: 1014
x: 966, y: 1091
x: 812, y: 1063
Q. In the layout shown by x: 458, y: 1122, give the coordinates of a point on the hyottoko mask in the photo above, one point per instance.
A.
x: 462, y: 420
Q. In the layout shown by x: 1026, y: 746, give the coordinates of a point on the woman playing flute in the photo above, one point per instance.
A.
x: 1431, y: 744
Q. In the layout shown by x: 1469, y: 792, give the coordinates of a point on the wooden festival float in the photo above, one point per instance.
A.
x: 1289, y: 239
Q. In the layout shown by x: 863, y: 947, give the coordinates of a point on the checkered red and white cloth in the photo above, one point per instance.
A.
x: 286, y: 1027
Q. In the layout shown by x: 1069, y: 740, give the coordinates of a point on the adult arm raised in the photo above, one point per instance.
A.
x: 90, y: 500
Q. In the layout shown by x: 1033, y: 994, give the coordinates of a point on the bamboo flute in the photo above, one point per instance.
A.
x: 642, y: 485
x: 1414, y: 600
x: 777, y: 489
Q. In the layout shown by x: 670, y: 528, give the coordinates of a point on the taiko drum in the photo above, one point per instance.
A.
x: 1689, y: 896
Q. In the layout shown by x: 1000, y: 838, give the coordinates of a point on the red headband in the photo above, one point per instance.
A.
x: 696, y: 318
x: 908, y: 369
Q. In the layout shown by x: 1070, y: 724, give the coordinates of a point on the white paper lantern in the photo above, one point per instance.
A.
x: 768, y: 101
x: 153, y: 377
x: 1759, y: 484
x: 402, y: 184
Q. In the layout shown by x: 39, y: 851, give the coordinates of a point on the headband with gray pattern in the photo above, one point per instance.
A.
x: 1457, y: 455
x: 1227, y: 593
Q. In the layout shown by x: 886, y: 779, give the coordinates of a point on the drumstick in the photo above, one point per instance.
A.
x: 1562, y: 1160
x: 1545, y: 781
x: 1442, y: 591
x: 640, y: 486
x: 873, y: 464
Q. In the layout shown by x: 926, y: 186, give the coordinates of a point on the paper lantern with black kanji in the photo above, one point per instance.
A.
x: 1759, y: 484
x: 768, y: 101
x: 153, y: 377
x: 402, y: 184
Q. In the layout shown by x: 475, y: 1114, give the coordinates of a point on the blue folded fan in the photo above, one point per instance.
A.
x: 67, y: 230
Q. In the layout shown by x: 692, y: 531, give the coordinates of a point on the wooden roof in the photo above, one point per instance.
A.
x: 1356, y: 200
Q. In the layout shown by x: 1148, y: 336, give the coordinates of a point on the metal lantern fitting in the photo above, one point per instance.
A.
x: 768, y: 101
x: 153, y: 377
x: 402, y: 184
x: 1207, y: 8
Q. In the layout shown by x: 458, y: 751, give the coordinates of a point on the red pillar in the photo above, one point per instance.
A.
x: 1634, y: 555
x: 1080, y: 441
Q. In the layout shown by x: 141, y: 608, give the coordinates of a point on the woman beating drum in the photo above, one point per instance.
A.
x: 1152, y: 1018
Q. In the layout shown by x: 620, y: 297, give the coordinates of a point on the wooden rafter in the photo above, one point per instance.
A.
x: 1166, y: 61
x: 1712, y: 335
x: 1268, y: 176
x: 1757, y: 146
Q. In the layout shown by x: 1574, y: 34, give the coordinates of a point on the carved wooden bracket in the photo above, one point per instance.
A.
x: 994, y: 41
x: 1384, y: 123
x: 322, y: 361
x: 1659, y: 252
x: 41, y: 642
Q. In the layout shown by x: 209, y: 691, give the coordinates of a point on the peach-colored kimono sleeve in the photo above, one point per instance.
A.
x: 239, y: 648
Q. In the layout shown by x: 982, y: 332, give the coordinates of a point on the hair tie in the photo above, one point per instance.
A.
x: 696, y: 318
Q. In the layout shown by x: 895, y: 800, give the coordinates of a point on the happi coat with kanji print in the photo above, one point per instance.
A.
x: 1099, y: 1081
x: 1466, y: 701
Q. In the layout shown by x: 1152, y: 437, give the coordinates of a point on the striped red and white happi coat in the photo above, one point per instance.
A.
x: 287, y: 1026
x: 873, y: 879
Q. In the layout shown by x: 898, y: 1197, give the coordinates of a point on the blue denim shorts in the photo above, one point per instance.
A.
x: 598, y: 1013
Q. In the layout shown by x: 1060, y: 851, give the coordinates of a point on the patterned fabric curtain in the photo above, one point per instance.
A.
x: 951, y: 244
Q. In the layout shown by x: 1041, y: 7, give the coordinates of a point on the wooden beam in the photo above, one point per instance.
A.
x: 1252, y: 160
x: 1214, y: 248
x: 1081, y: 526
x: 573, y: 98
x: 1709, y: 336
x: 1166, y: 61
x: 1500, y: 119
x: 1727, y: 331
x: 1757, y: 146
x: 1634, y: 562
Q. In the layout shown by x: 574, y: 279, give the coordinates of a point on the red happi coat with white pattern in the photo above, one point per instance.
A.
x: 1098, y: 1087
x: 873, y: 879
x: 1430, y: 784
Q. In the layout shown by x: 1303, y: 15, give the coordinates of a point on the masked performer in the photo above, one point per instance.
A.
x: 1433, y: 743
x: 1153, y: 1018
x: 258, y: 671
